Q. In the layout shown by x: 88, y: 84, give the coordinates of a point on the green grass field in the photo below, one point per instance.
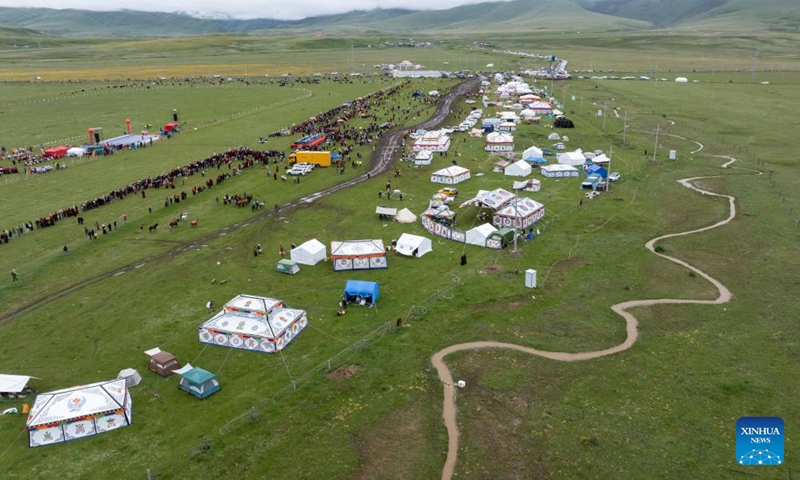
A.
x: 666, y: 408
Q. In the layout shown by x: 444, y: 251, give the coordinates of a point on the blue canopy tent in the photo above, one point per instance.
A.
x: 597, y: 170
x: 361, y: 292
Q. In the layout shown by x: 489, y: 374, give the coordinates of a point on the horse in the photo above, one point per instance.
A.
x: 193, y: 223
x: 153, y: 227
x: 173, y: 224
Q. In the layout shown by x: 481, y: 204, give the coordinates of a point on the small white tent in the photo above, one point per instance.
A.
x: 131, y: 377
x: 76, y: 152
x: 408, y: 244
x: 520, y: 168
x: 405, y: 216
x: 479, y: 234
x: 574, y: 158
x: 310, y: 253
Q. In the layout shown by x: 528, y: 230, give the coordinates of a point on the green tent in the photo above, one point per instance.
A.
x: 505, y: 235
x: 287, y: 266
x: 200, y: 383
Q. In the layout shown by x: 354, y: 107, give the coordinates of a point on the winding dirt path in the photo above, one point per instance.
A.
x: 631, y: 324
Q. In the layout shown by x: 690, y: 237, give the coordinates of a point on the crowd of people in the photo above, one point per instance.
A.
x: 332, y: 123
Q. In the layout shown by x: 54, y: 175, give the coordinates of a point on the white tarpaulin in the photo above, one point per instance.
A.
x: 13, y: 383
x: 386, y: 211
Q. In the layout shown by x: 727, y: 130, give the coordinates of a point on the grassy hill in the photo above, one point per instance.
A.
x: 725, y: 15
x: 513, y: 16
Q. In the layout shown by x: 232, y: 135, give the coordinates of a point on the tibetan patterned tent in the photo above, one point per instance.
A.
x: 77, y: 412
x: 499, y: 142
x: 558, y: 171
x: 435, y: 141
x: 518, y: 213
x: 494, y: 199
x: 254, y: 323
x: 358, y: 255
x: 450, y: 175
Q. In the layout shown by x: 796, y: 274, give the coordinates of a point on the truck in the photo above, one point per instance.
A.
x: 322, y: 159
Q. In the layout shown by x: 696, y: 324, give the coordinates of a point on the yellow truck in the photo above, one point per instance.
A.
x: 322, y: 159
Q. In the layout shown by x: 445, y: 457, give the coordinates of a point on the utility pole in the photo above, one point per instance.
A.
x: 655, y: 147
x: 625, y: 127
x: 608, y: 180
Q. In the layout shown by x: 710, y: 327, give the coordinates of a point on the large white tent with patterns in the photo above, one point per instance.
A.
x: 250, y: 322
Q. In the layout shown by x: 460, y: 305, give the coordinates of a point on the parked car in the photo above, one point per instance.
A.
x: 613, y: 176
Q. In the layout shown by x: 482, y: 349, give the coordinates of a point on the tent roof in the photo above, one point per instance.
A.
x: 494, y: 199
x: 76, y: 402
x: 525, y: 183
x: 312, y: 245
x: 357, y: 248
x: 13, y: 383
x: 408, y: 242
x: 362, y: 288
x: 287, y: 262
x: 484, y: 229
x: 254, y: 316
x: 198, y: 376
x: 405, y: 216
x: 453, y: 171
x: 520, y: 207
x: 386, y: 210
x: 559, y: 167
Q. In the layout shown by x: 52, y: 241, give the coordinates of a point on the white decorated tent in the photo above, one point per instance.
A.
x: 423, y: 157
x: 250, y: 322
x: 358, y: 255
x: 558, y: 170
x: 518, y: 213
x: 405, y: 216
x: 407, y: 244
x: 450, y: 175
x: 309, y: 253
x: 520, y: 168
x: 479, y: 235
x: 499, y: 142
x: 435, y: 141
x: 77, y: 412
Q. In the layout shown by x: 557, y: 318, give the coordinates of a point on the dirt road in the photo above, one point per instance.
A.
x: 631, y: 324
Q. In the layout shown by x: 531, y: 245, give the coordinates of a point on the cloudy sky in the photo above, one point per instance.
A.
x: 280, y: 9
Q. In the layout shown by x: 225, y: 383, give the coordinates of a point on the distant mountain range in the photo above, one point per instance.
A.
x: 513, y: 16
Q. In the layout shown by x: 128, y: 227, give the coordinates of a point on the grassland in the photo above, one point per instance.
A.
x: 667, y: 408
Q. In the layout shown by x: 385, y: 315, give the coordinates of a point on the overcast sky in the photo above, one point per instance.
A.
x: 279, y: 9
